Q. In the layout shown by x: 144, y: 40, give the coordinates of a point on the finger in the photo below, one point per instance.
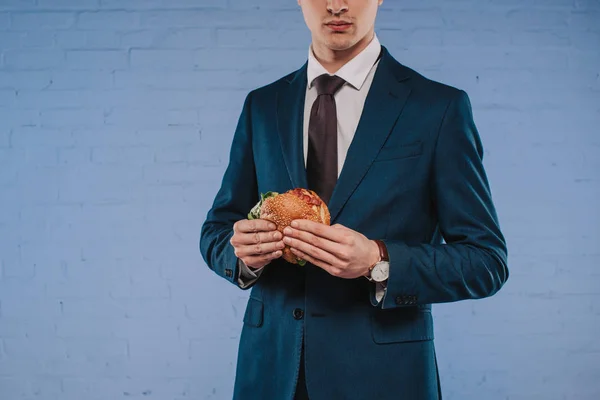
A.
x: 256, y: 237
x: 311, y: 250
x: 319, y: 229
x: 315, y: 261
x: 322, y: 243
x: 258, y: 249
x: 254, y: 225
x: 259, y: 261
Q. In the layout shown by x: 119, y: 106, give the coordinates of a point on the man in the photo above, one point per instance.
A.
x: 398, y: 160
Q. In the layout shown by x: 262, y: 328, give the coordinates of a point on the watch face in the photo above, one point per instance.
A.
x: 380, y: 272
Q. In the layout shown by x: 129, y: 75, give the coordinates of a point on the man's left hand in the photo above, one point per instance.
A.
x: 338, y: 250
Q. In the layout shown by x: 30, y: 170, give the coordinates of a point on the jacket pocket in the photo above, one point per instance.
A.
x: 400, y: 151
x: 254, y: 312
x: 401, y: 325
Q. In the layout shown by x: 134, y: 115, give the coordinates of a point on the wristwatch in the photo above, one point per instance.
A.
x: 380, y: 271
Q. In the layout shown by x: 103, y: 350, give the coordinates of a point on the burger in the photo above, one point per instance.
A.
x: 282, y: 209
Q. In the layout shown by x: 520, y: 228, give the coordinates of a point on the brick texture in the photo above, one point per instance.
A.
x: 116, y: 118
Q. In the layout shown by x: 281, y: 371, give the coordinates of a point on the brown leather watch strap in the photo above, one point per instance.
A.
x: 383, y: 253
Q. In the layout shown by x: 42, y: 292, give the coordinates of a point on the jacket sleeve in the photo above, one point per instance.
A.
x: 237, y: 195
x: 472, y: 263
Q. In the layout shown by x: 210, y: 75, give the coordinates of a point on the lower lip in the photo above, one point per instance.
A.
x: 339, y: 28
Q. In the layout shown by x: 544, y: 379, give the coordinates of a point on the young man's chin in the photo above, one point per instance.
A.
x: 340, y: 42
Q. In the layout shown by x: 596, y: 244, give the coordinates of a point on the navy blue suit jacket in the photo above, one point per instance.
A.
x: 413, y: 177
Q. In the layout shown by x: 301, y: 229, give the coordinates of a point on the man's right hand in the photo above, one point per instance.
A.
x: 256, y: 242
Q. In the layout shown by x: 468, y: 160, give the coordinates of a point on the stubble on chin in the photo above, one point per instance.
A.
x: 339, y: 42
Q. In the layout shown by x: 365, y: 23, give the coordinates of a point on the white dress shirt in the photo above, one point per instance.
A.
x: 350, y: 99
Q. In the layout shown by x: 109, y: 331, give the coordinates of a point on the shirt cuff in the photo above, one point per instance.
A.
x: 380, y: 290
x: 247, y: 276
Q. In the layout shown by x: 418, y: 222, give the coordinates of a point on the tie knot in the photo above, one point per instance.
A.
x: 328, y: 84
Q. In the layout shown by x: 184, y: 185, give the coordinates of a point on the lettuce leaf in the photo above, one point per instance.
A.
x: 255, y: 211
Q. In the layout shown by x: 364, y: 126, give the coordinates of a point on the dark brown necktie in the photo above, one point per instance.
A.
x: 322, y: 158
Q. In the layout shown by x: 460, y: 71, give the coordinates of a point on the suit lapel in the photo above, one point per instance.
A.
x: 290, y: 124
x: 382, y: 108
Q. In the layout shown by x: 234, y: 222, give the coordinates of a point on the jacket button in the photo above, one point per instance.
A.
x: 298, y: 313
x: 399, y: 300
x: 228, y: 273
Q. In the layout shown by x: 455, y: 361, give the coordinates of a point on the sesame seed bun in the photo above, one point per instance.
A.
x: 294, y: 204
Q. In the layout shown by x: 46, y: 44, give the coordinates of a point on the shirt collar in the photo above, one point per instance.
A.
x: 354, y: 71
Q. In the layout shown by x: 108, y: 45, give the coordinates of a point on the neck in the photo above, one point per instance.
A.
x: 333, y: 60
